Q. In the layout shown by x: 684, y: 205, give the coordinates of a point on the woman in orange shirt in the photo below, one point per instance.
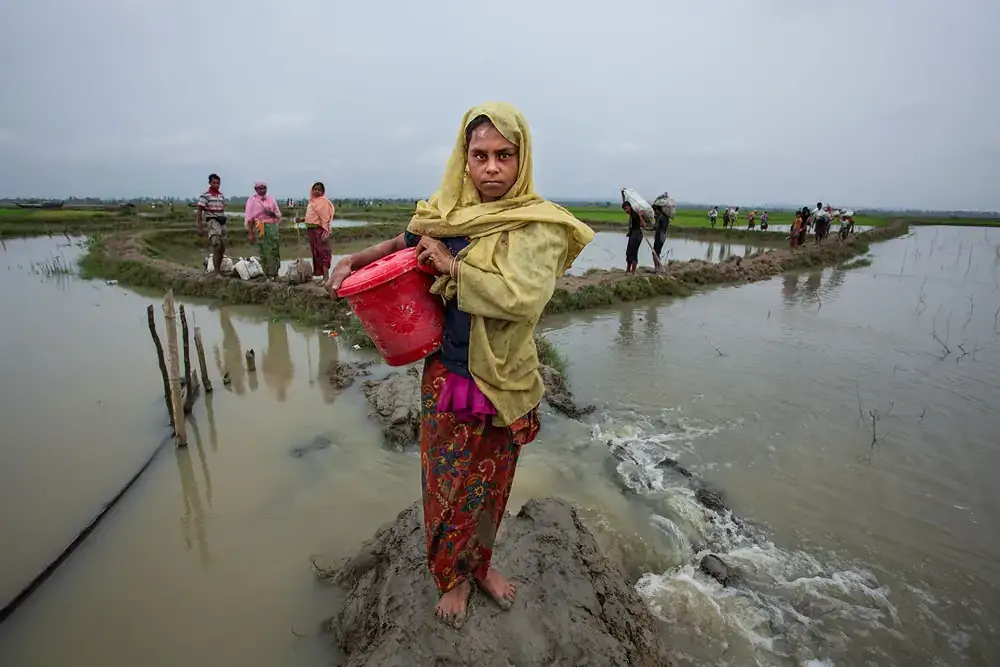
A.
x: 796, y: 229
x: 319, y: 213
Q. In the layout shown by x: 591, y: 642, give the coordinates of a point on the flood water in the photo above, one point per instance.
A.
x: 860, y: 554
x: 607, y: 250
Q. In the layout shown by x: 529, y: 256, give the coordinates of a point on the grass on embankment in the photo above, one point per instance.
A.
x: 135, y: 259
x: 185, y: 247
x: 858, y: 263
x: 605, y: 288
x: 308, y: 303
x: 549, y: 354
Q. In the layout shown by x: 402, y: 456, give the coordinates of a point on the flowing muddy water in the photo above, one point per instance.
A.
x: 871, y: 554
x: 853, y: 554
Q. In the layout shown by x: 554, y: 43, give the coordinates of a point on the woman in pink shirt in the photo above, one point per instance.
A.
x: 262, y: 218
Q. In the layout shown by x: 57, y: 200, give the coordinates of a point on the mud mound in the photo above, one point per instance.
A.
x: 574, y: 607
x: 395, y: 401
x: 559, y: 396
x: 342, y: 374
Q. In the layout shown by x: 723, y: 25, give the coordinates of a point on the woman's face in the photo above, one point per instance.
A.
x: 317, y: 191
x: 493, y: 162
x: 261, y: 190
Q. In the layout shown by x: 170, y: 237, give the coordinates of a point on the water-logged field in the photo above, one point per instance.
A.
x: 859, y: 554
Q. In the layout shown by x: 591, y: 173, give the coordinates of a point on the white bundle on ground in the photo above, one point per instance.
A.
x: 227, y: 265
x: 241, y: 269
x: 666, y: 204
x: 299, y: 271
x: 254, y: 268
x: 639, y: 205
x: 245, y: 268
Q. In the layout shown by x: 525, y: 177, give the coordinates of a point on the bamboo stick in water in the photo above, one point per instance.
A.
x: 187, y: 347
x: 180, y: 436
x: 200, y: 349
x: 162, y: 363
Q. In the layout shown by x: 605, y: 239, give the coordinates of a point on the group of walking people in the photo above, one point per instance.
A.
x: 262, y: 221
x: 819, y: 219
x: 731, y: 217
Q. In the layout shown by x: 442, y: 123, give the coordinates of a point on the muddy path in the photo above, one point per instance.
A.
x: 605, y: 287
x: 135, y: 258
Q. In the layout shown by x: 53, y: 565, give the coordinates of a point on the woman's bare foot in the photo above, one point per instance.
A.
x: 453, y: 607
x: 499, y: 587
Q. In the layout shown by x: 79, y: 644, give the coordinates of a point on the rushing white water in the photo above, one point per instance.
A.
x: 786, y: 607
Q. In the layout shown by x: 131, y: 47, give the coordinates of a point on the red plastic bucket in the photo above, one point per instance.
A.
x: 391, y: 296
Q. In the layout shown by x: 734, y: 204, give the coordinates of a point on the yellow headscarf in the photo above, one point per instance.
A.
x: 520, y: 244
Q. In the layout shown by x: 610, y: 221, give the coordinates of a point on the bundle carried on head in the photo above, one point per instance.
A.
x: 666, y: 205
x: 638, y: 204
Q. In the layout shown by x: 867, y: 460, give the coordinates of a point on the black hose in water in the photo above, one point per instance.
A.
x: 40, y: 579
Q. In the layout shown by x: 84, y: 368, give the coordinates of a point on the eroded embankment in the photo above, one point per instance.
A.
x: 602, y: 288
x: 133, y: 259
x: 126, y: 258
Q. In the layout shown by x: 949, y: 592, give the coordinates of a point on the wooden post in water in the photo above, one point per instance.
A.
x: 163, y: 364
x: 180, y: 435
x: 251, y: 361
x: 200, y: 349
x: 187, y: 347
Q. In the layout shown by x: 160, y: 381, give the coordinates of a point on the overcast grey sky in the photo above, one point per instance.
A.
x: 856, y: 102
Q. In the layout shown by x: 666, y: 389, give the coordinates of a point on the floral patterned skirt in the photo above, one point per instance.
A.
x: 269, y: 243
x: 467, y: 469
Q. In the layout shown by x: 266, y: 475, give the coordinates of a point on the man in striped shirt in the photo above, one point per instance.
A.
x: 212, y: 210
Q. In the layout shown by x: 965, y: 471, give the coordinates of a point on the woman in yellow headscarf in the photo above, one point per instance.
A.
x: 499, y: 248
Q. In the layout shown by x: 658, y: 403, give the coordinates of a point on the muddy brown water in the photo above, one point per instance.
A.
x: 886, y: 556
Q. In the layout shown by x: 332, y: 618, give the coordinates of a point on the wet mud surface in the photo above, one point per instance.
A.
x: 573, y: 607
x: 394, y: 400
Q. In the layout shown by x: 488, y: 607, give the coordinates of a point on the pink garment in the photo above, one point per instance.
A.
x: 461, y: 397
x: 257, y: 208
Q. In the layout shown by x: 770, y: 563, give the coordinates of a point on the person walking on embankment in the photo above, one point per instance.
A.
x: 211, y: 213
x: 797, y: 226
x: 498, y: 248
x: 319, y: 215
x: 713, y: 215
x: 262, y: 218
x: 804, y: 227
x: 821, y: 219
x: 664, y: 209
x: 634, y: 236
